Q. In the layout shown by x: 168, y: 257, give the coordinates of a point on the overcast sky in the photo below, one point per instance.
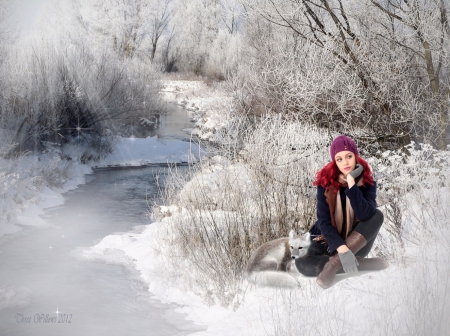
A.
x: 24, y: 12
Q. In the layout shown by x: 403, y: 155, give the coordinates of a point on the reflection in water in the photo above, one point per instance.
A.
x: 57, y: 294
x: 175, y: 122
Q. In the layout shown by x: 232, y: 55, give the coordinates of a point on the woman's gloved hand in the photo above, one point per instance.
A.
x: 349, y: 262
x: 357, y: 171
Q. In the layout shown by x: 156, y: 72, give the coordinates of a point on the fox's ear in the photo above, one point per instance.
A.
x: 307, y: 235
x: 292, y: 234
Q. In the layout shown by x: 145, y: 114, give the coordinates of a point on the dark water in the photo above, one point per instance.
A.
x: 59, y: 294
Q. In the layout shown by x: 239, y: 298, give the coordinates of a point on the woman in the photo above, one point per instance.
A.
x: 348, y: 220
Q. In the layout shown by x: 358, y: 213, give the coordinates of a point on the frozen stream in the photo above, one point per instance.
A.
x: 59, y: 294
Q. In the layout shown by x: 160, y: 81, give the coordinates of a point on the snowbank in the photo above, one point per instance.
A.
x: 375, y: 303
x: 212, y: 107
x: 32, y: 183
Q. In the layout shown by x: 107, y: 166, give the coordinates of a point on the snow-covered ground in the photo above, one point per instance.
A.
x: 378, y: 303
x: 24, y: 193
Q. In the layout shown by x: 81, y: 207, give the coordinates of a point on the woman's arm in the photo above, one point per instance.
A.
x: 363, y: 201
x: 334, y: 240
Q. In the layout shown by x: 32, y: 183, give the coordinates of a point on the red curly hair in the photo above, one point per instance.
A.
x: 329, y: 175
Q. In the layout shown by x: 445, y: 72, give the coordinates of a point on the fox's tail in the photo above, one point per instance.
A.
x: 273, y: 279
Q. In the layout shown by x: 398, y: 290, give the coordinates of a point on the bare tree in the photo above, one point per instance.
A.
x: 428, y: 22
x: 127, y: 26
x: 231, y: 16
x: 160, y: 19
x: 170, y: 54
x: 366, y: 42
x: 124, y: 25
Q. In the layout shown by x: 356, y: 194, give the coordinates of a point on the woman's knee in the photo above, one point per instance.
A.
x: 369, y: 228
x: 378, y: 217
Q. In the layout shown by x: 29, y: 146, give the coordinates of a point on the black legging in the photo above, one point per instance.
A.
x: 317, y: 256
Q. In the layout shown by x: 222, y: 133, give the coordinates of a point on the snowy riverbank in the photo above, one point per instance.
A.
x: 28, y: 187
x: 373, y: 303
x: 34, y: 182
x: 410, y: 297
x: 211, y: 106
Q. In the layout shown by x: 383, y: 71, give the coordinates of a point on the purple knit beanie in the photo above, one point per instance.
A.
x: 343, y: 143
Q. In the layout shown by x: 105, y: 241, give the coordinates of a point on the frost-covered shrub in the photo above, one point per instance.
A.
x: 57, y: 172
x: 403, y: 175
x: 283, y: 157
x: 232, y: 204
x: 67, y: 91
x: 261, y: 186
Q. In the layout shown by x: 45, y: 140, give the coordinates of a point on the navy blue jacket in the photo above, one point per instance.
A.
x: 363, y: 202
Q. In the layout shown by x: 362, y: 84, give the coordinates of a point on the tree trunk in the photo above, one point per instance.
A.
x: 152, y: 56
x: 441, y: 142
x: 434, y: 78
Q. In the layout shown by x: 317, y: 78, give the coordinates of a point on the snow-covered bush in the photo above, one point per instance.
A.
x: 27, y: 179
x: 67, y: 93
x: 283, y: 157
x: 63, y: 83
x: 57, y: 172
x: 401, y: 174
x: 233, y: 204
x: 258, y: 185
x: 18, y: 187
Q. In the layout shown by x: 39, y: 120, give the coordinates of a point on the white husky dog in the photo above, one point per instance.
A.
x: 273, y: 263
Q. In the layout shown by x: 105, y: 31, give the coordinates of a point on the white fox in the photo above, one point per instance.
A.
x: 272, y: 264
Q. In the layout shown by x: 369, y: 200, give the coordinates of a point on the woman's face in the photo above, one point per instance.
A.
x: 345, y: 161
